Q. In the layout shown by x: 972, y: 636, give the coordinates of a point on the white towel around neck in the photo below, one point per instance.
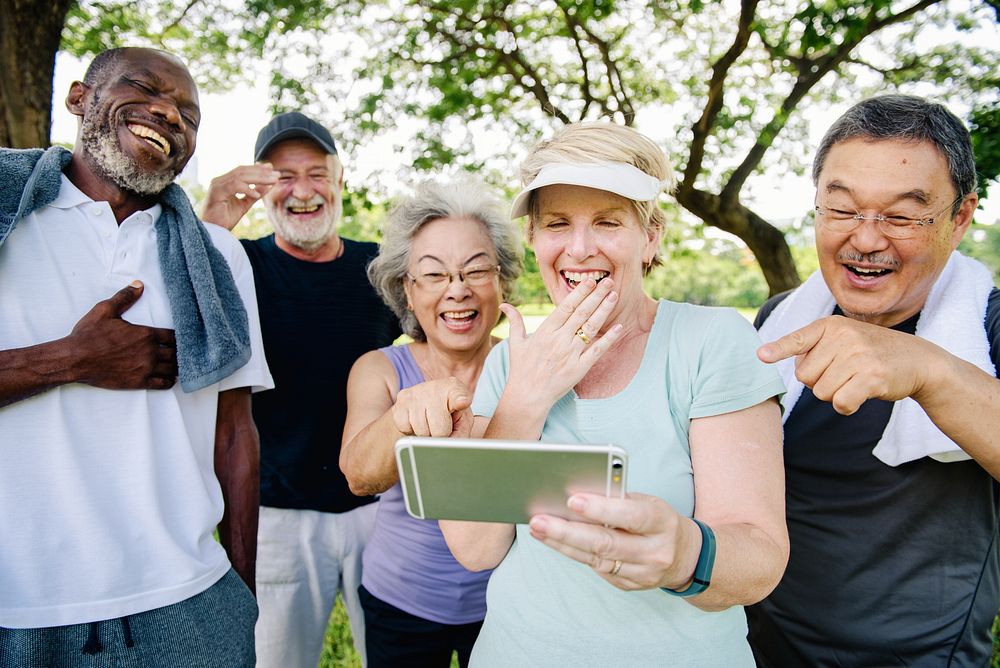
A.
x: 953, y: 318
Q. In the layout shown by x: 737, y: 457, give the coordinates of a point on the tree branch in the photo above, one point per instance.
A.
x: 176, y: 22
x: 614, y: 74
x: 713, y: 104
x: 588, y: 95
x: 810, y: 76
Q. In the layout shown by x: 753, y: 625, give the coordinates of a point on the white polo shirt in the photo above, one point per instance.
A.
x: 108, y: 498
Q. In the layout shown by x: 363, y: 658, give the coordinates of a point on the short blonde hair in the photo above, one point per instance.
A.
x: 597, y: 142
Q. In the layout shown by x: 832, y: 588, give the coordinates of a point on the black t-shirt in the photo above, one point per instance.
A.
x: 316, y: 319
x: 889, y: 566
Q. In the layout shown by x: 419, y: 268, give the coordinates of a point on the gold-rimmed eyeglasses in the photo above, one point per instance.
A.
x: 435, y: 281
x: 893, y: 226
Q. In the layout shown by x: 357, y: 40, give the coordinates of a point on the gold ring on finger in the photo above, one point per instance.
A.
x: 617, y: 567
x: 583, y: 335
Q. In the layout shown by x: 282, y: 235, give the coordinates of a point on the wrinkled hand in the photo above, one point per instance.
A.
x: 652, y: 542
x: 113, y: 354
x: 554, y: 359
x: 847, y: 362
x: 231, y: 195
x: 434, y: 408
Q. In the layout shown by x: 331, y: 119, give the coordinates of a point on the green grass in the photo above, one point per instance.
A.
x: 338, y: 646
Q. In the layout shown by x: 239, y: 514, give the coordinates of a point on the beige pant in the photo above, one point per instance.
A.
x: 303, y: 558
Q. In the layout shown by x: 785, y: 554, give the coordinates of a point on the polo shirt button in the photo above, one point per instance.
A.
x: 96, y: 210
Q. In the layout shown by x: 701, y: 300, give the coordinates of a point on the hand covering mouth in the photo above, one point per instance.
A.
x: 574, y: 278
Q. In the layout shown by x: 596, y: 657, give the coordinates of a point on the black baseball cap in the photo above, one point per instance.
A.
x: 292, y: 125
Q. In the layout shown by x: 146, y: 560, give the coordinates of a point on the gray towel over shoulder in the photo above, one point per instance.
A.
x: 210, y: 321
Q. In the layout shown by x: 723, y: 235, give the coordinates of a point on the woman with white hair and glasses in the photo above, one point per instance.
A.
x: 658, y: 578
x: 449, y: 256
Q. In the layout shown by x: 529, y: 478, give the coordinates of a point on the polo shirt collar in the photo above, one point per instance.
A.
x: 70, y: 197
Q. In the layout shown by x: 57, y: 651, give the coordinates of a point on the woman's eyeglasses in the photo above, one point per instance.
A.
x: 435, y: 281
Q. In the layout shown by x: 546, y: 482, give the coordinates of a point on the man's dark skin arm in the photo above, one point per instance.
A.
x: 237, y: 466
x: 102, y: 351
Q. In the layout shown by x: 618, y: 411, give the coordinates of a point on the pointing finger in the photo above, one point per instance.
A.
x: 797, y: 343
x: 458, y: 399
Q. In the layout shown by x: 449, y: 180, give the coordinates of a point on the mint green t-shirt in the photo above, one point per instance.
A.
x: 545, y: 609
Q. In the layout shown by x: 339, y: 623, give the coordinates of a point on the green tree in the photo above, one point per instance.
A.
x: 733, y: 81
x: 731, y: 78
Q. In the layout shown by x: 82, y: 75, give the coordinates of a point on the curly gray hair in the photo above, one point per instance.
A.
x: 463, y: 198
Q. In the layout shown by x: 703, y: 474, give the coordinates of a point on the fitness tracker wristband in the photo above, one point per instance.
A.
x: 703, y: 569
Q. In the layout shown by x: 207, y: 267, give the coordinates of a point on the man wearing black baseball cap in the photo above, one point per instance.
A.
x: 318, y: 315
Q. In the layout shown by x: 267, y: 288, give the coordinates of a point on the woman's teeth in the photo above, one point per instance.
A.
x: 574, y: 278
x: 458, y: 315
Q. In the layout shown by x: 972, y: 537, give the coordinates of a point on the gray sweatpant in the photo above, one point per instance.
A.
x: 211, y: 630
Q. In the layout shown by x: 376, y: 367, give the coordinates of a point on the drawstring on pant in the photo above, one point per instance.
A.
x: 127, y: 632
x: 93, y: 644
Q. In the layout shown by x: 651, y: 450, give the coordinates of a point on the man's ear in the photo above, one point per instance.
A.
x: 963, y: 218
x: 76, y: 101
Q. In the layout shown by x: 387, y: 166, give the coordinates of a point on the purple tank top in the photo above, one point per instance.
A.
x: 406, y: 561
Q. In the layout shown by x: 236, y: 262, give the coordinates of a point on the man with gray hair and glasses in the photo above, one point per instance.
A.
x: 890, y: 354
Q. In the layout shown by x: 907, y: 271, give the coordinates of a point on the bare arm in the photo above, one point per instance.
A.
x: 376, y: 420
x: 231, y: 195
x: 237, y: 466
x: 739, y: 488
x: 739, y: 493
x: 103, y: 350
x: 366, y: 454
x: 847, y: 362
x: 964, y: 403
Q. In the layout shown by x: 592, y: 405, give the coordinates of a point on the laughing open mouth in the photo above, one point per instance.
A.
x: 574, y: 278
x: 309, y: 208
x: 152, y: 137
x: 867, y: 273
x: 459, y: 316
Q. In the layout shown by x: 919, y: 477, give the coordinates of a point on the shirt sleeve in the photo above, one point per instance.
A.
x: 491, y: 381
x: 729, y: 376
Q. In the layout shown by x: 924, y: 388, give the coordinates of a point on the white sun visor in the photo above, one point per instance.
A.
x: 619, y: 178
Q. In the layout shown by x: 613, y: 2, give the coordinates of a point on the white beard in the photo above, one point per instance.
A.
x: 307, y: 235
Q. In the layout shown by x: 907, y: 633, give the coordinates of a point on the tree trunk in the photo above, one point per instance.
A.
x: 30, y: 31
x: 765, y: 241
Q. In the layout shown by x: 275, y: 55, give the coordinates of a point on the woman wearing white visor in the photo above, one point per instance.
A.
x: 658, y: 578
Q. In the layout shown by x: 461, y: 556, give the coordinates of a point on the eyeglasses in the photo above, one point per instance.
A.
x: 435, y: 281
x: 894, y: 227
